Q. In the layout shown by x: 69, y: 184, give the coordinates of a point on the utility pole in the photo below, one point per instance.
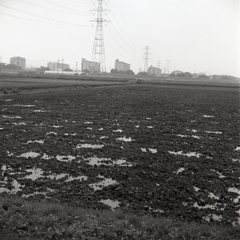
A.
x: 146, y: 58
x: 62, y: 65
x: 98, y: 53
x: 168, y: 66
x: 76, y: 67
x: 57, y: 66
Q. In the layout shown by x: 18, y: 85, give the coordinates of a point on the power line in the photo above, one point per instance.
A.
x: 53, y: 9
x: 35, y: 15
x: 61, y: 6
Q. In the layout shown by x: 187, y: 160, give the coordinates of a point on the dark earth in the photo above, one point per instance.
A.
x: 151, y: 149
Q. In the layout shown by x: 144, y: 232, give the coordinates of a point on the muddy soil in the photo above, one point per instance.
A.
x: 147, y: 149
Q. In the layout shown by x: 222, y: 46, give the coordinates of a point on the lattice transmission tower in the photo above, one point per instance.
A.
x: 146, y: 58
x: 98, y: 53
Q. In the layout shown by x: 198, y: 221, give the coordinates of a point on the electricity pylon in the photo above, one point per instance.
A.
x: 98, y: 53
x: 146, y: 58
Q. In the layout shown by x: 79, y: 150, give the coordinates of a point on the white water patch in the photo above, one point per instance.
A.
x: 219, y: 174
x: 88, y: 122
x: 57, y: 126
x: 210, y: 206
x: 57, y: 176
x: 35, y: 173
x: 8, y: 100
x: 235, y: 190
x: 118, y: 130
x: 180, y: 170
x: 80, y: 178
x: 212, y: 216
x: 1, y: 129
x: 137, y: 126
x: 152, y: 150
x: 125, y: 139
x: 40, y: 111
x: 37, y: 193
x: 46, y: 157
x: 19, y: 124
x: 104, y: 183
x: 208, y: 116
x: 36, y: 141
x: 149, y: 126
x: 21, y: 105
x: 100, y: 129
x: 16, y: 187
x: 89, y: 128
x: 71, y: 134
x: 68, y: 158
x: 9, y: 154
x: 113, y: 204
x: 235, y: 160
x: 11, y: 117
x: 193, y: 136
x: 52, y: 133
x: 212, y: 195
x: 191, y: 154
x: 30, y: 154
x: 103, y: 137
x: 143, y: 150
x: 213, y: 132
x: 196, y: 189
x: 107, y: 162
x: 237, y: 149
x: 148, y: 118
x: 93, y: 146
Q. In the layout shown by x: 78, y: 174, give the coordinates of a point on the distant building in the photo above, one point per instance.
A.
x: 18, y: 61
x: 54, y: 66
x: 121, y: 66
x: 90, y: 66
x: 154, y: 71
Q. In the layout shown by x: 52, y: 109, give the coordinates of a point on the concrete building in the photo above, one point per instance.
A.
x: 54, y: 66
x: 121, y: 66
x: 90, y: 66
x: 18, y: 61
x: 154, y: 71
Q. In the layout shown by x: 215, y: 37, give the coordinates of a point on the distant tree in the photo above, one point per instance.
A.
x: 142, y: 74
x: 180, y: 74
x: 172, y: 74
x: 187, y: 74
x: 86, y: 71
x: 202, y: 76
x: 12, y: 66
x: 67, y: 70
x: 130, y: 72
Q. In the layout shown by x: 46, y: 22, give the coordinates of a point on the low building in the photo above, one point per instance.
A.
x: 18, y: 61
x: 154, y: 71
x: 90, y: 66
x: 55, y: 66
x: 122, y: 66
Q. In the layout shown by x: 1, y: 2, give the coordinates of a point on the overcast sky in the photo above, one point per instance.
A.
x: 193, y: 35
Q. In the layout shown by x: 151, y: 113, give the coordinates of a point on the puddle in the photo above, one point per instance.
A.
x: 137, y: 126
x: 125, y: 139
x: 71, y: 134
x: 51, y: 133
x: 88, y: 122
x: 220, y: 175
x: 237, y: 149
x: 30, y: 154
x: 103, y: 137
x: 100, y: 129
x: 4, y: 116
x: 8, y: 100
x: 149, y: 126
x: 196, y: 189
x: 208, y: 116
x: 210, y: 206
x: 9, y: 154
x: 57, y: 126
x: 113, y: 204
x: 213, y: 216
x: 235, y: 190
x: 36, y: 141
x: 153, y: 150
x: 90, y: 146
x: 193, y: 136
x: 107, y: 162
x: 46, y: 157
x: 1, y: 128
x: 16, y: 187
x: 118, y: 130
x: 180, y: 170
x: 35, y: 173
x: 143, y: 150
x: 80, y: 178
x: 89, y: 128
x: 19, y: 124
x: 37, y: 193
x: 211, y: 195
x: 191, y: 154
x: 38, y: 111
x: 213, y: 132
x: 104, y: 183
x: 68, y: 158
x: 20, y: 105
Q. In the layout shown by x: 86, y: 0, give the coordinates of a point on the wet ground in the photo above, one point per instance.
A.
x: 156, y: 150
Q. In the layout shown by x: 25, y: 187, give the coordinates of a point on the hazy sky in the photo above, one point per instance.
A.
x: 194, y: 35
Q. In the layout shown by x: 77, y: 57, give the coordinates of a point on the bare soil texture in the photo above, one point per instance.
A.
x: 147, y: 149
